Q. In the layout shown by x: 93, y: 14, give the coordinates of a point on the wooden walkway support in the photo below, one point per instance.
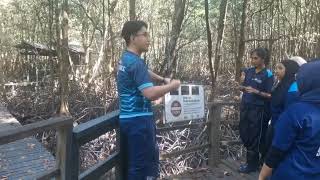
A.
x: 214, y: 120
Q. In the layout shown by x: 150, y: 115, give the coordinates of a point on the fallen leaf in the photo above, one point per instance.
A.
x: 31, y: 145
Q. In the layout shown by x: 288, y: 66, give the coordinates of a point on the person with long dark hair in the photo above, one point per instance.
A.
x: 255, y: 108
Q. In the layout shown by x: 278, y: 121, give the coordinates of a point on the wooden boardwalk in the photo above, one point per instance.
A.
x: 226, y: 170
x: 23, y: 159
x: 27, y: 158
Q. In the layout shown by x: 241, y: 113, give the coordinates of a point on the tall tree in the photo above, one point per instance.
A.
x: 221, y: 24
x: 50, y: 45
x: 242, y: 43
x: 170, y: 51
x: 132, y: 9
x: 64, y: 61
x: 209, y: 41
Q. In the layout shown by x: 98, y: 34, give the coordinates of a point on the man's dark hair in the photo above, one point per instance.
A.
x: 131, y: 28
x: 263, y: 53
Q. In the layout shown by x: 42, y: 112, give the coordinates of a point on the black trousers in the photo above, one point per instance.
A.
x: 253, y: 126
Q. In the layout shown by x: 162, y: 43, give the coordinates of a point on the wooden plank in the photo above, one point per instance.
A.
x: 101, y: 168
x: 31, y: 129
x: 92, y: 129
x: 37, y: 164
x: 25, y: 151
x: 26, y: 158
x: 195, y: 125
x: 19, y: 144
x: 23, y: 146
x: 184, y: 151
x: 223, y: 103
x: 29, y: 170
x: 22, y: 154
x: 49, y: 174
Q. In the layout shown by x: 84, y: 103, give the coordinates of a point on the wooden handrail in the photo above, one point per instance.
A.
x: 101, y: 168
x: 90, y: 130
x: 223, y: 103
x: 194, y: 125
x: 213, y: 123
x: 184, y: 151
x: 34, y: 128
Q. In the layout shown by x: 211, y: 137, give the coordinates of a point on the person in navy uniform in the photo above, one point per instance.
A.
x: 255, y: 108
x: 139, y: 150
x: 295, y: 151
x: 285, y: 91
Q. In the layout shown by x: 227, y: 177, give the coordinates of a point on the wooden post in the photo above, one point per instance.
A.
x: 214, y: 134
x: 63, y: 157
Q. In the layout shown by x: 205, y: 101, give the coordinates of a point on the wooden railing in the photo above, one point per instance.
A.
x: 213, y: 124
x: 63, y: 125
x: 70, y: 140
x: 88, y: 131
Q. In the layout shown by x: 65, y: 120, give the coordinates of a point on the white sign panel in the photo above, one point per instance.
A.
x: 186, y: 103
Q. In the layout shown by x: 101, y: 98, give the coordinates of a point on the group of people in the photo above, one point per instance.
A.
x: 288, y: 148
x: 280, y: 117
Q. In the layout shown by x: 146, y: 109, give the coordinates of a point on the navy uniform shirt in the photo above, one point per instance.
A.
x: 298, y: 135
x: 261, y: 81
x: 132, y: 78
x: 292, y: 97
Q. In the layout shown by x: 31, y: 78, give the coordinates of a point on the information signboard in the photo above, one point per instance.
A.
x: 184, y: 104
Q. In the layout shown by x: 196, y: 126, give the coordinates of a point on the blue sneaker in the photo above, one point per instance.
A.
x: 246, y: 169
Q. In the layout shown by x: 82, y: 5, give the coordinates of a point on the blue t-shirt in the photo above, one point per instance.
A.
x: 132, y: 78
x: 261, y: 81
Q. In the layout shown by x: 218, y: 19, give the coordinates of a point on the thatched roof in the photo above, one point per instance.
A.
x: 30, y: 48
